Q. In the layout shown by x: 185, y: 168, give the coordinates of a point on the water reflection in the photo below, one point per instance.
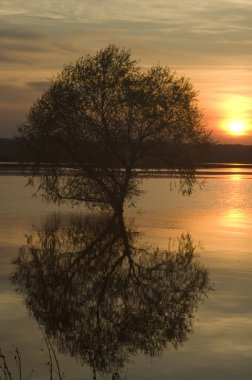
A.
x: 236, y: 177
x: 102, y: 296
x: 234, y: 221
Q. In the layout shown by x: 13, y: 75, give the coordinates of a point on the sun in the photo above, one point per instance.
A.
x: 236, y: 127
x: 235, y: 116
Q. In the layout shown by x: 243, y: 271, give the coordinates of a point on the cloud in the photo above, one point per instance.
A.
x: 207, y: 14
x: 190, y: 30
x: 17, y: 34
x: 38, y: 86
x: 10, y: 93
x: 38, y: 38
x: 6, y: 58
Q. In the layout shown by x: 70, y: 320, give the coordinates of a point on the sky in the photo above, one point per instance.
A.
x: 209, y: 42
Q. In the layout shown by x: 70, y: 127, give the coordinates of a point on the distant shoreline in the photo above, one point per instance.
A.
x: 214, y: 154
x: 203, y: 169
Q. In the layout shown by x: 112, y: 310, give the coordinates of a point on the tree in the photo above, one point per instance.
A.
x: 102, y: 118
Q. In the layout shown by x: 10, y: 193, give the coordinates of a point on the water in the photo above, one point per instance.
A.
x: 219, y: 220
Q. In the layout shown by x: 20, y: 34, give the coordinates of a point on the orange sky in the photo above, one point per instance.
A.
x: 207, y: 41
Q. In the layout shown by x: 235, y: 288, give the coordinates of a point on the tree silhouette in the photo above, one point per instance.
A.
x: 102, y: 118
x: 102, y: 296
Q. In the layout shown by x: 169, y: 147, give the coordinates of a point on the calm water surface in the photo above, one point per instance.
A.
x: 218, y: 219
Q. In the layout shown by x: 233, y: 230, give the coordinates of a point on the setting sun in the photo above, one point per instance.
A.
x: 236, y: 127
x: 236, y: 118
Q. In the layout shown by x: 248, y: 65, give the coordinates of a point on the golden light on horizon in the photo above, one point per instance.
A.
x: 236, y: 127
x: 235, y: 112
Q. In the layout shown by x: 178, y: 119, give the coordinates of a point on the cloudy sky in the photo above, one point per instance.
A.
x: 207, y: 41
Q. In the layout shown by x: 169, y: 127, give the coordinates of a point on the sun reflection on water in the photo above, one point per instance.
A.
x: 235, y: 177
x: 234, y: 219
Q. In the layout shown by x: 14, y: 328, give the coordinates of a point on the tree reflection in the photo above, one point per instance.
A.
x: 101, y: 295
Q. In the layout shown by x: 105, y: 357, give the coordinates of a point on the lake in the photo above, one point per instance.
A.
x: 213, y: 339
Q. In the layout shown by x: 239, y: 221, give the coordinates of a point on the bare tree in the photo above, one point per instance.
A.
x: 102, y: 117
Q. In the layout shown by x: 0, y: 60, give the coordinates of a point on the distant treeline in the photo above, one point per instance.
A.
x: 220, y: 153
x: 229, y: 153
x: 8, y: 150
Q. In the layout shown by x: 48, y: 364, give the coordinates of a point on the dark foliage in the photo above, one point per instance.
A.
x: 103, y: 117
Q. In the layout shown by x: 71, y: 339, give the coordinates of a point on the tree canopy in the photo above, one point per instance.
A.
x: 102, y: 118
